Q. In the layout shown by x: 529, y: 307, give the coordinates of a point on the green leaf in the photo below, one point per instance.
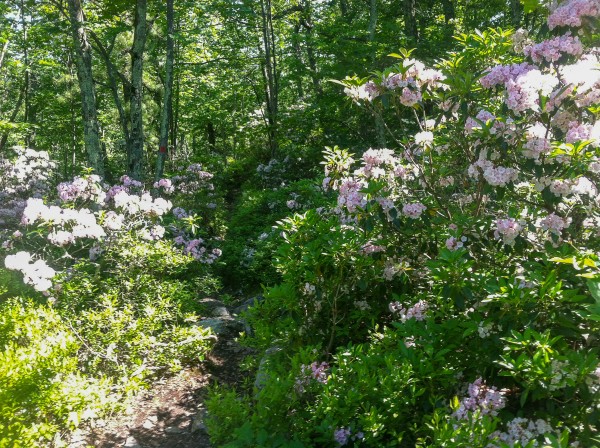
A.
x: 594, y: 287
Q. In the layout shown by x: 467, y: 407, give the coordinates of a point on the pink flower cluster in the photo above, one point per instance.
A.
x: 499, y: 176
x: 453, y: 243
x: 523, y: 83
x: 486, y: 400
x: 371, y: 248
x: 582, y: 131
x: 378, y: 163
x: 414, y: 210
x: 523, y: 91
x: 554, y: 224
x: 552, y: 49
x: 537, y: 142
x: 23, y: 177
x: 313, y: 372
x: 350, y: 195
x: 500, y: 74
x: 424, y: 138
x: 179, y: 213
x: 416, y: 312
x: 166, y: 185
x: 366, y: 92
x: 195, y: 248
x: 507, y: 229
x: 344, y: 435
x: 571, y: 12
x: 82, y: 223
x: 86, y: 188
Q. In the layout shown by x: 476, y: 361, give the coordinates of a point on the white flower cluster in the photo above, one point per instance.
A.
x: 82, y: 222
x: 144, y: 204
x: 523, y: 431
x: 37, y: 274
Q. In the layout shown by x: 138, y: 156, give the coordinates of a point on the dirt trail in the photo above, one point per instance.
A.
x: 170, y: 414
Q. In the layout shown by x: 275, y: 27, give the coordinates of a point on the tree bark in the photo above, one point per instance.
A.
x: 410, y: 22
x: 344, y: 8
x: 112, y: 73
x: 13, y: 117
x: 270, y: 74
x: 449, y: 16
x: 310, y: 52
x: 516, y: 12
x: 3, y: 53
x: 167, y: 103
x: 136, y: 154
x: 379, y: 124
x: 83, y: 61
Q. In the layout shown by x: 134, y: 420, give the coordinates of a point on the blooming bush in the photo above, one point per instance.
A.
x: 118, y: 277
x: 453, y: 285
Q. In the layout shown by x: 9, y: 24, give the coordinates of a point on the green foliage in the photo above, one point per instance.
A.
x: 135, y: 311
x: 41, y: 390
x: 251, y: 240
x: 108, y: 330
x: 226, y: 413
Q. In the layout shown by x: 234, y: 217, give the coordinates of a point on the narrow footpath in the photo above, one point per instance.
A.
x: 171, y: 413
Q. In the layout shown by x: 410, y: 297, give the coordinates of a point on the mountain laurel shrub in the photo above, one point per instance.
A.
x: 450, y: 297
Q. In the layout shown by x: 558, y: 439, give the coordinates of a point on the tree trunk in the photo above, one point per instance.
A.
x: 516, y: 12
x: 379, y: 124
x: 83, y: 61
x: 13, y: 117
x: 270, y: 74
x: 410, y: 22
x: 3, y: 53
x: 449, y: 16
x: 136, y: 154
x: 310, y: 52
x: 298, y: 54
x: 167, y: 103
x: 344, y: 8
x: 112, y: 73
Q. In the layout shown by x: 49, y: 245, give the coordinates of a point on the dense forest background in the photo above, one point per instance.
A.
x: 241, y: 80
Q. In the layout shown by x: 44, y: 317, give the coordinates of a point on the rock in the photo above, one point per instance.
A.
x: 131, y: 443
x: 174, y: 430
x: 198, y: 421
x: 222, y: 326
x: 261, y: 375
x: 247, y: 304
x: 215, y: 308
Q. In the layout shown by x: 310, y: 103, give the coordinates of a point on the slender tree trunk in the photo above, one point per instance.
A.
x: 27, y: 74
x: 449, y: 16
x: 410, y: 22
x: 379, y: 124
x: 167, y: 103
x: 270, y: 74
x: 112, y: 73
x: 310, y: 52
x: 516, y: 10
x: 136, y: 154
x: 3, y: 53
x: 344, y: 8
x: 298, y: 54
x: 83, y: 61
x: 13, y: 117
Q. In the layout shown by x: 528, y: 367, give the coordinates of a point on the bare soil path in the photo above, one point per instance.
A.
x: 171, y: 413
